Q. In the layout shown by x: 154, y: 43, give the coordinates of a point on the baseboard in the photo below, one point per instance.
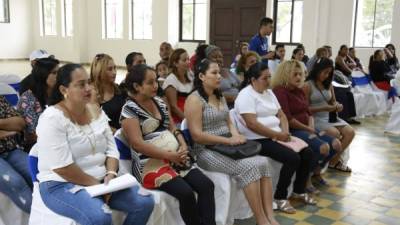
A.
x: 14, y: 59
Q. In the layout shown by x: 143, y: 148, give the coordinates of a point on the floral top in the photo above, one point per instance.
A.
x: 30, y: 109
x: 7, y: 111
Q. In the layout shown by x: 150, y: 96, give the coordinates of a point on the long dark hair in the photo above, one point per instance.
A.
x: 64, y: 78
x: 200, y: 54
x: 202, y: 68
x: 253, y: 72
x: 320, y: 65
x: 38, y: 80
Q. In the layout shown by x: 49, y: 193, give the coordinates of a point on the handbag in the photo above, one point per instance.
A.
x: 248, y: 149
x: 167, y: 141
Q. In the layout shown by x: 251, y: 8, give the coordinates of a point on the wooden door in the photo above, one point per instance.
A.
x: 233, y: 21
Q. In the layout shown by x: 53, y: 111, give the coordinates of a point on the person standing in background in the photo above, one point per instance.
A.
x: 259, y: 43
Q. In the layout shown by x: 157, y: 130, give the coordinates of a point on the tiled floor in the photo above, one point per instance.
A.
x: 370, y: 195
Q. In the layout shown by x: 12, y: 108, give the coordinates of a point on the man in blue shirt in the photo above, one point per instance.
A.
x: 259, y: 43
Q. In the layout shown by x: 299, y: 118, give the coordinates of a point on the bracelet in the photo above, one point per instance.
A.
x: 112, y: 172
x: 177, y: 132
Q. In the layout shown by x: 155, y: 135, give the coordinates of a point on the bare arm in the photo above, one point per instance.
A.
x: 194, y: 116
x: 14, y: 123
x: 171, y: 95
x: 343, y: 64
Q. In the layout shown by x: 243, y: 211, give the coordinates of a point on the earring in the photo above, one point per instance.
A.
x: 65, y: 96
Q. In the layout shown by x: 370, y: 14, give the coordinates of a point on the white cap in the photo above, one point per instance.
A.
x: 38, y: 54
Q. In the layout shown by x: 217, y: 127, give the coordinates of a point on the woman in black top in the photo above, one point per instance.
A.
x: 108, y: 95
x: 380, y: 70
x: 391, y: 58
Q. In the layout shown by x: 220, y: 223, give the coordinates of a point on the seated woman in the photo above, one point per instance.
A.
x: 380, y: 71
x: 243, y: 49
x: 324, y: 107
x: 343, y: 62
x: 230, y: 82
x: 266, y: 123
x: 76, y: 148
x: 391, y: 58
x: 144, y: 117
x: 319, y: 53
x: 245, y: 62
x: 33, y: 101
x: 298, y: 54
x: 279, y: 57
x: 107, y: 93
x: 208, y: 120
x: 287, y: 86
x: 178, y: 84
x: 16, y: 182
x: 357, y: 61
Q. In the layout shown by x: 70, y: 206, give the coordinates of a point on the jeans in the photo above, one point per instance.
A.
x: 315, y: 144
x: 61, y: 198
x: 15, y: 180
x: 291, y: 162
x: 200, y: 212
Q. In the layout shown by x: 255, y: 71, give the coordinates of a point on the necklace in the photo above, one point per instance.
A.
x: 74, y: 121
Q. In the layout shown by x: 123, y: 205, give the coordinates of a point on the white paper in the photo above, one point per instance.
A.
x: 116, y: 184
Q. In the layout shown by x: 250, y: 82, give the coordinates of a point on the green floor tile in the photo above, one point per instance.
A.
x: 355, y: 220
x: 314, y: 219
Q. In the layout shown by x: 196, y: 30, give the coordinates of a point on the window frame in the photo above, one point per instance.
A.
x: 64, y: 19
x: 132, y: 22
x: 6, y: 10
x: 194, y: 22
x: 373, y: 29
x: 105, y: 22
x: 44, y: 20
x: 291, y: 43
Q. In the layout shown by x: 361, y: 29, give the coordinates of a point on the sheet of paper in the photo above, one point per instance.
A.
x: 116, y: 184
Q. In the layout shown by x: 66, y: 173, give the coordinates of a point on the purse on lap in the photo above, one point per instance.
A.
x: 295, y: 143
x: 248, y: 149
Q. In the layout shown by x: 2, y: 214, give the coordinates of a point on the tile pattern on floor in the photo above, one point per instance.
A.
x: 370, y: 195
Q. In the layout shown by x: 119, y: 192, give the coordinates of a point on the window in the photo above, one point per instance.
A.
x: 193, y: 20
x: 49, y: 17
x: 113, y: 18
x: 67, y: 18
x: 4, y: 11
x: 373, y: 23
x: 142, y: 19
x: 288, y: 18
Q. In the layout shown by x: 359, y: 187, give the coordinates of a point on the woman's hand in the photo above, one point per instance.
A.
x: 283, y: 136
x: 339, y: 107
x: 178, y: 157
x: 330, y: 108
x: 107, y: 179
x: 236, y: 140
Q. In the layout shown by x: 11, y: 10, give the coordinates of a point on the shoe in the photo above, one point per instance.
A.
x: 353, y: 121
x: 313, y: 190
x: 321, y: 181
x: 340, y: 166
x: 306, y: 198
x: 285, y: 206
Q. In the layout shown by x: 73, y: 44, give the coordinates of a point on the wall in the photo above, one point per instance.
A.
x: 15, y: 36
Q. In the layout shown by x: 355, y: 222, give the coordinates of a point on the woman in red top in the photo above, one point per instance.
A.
x: 287, y: 85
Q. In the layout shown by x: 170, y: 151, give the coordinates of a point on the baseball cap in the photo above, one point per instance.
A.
x: 39, y: 54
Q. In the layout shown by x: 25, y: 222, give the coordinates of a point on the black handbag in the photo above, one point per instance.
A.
x: 248, y: 149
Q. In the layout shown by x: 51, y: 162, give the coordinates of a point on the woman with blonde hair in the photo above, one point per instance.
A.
x: 287, y: 85
x: 106, y: 92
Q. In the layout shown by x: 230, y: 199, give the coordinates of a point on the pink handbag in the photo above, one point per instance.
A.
x: 295, y: 143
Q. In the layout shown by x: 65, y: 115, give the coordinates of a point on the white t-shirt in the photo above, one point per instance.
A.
x: 173, y: 81
x: 265, y: 106
x: 61, y: 143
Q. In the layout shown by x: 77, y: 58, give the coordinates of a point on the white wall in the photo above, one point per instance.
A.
x: 15, y: 37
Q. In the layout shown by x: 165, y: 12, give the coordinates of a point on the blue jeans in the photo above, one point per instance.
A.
x: 315, y: 144
x: 15, y: 180
x: 79, y: 206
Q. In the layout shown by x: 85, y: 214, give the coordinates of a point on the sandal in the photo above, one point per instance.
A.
x: 340, y: 166
x: 318, y: 178
x: 306, y: 198
x: 313, y: 190
x: 285, y: 206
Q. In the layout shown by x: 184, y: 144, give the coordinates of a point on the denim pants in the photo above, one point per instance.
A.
x: 62, y: 198
x: 315, y: 144
x: 15, y: 180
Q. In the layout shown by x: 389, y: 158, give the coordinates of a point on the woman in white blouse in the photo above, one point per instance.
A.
x: 76, y: 148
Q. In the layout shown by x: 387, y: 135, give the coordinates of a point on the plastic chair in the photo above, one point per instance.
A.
x: 230, y: 202
x: 9, y: 93
x: 12, y: 80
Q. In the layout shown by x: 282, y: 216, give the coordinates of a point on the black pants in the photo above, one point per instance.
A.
x: 201, y: 212
x: 346, y: 98
x: 292, y: 162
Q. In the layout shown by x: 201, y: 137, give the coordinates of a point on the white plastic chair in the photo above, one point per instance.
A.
x: 368, y: 101
x: 230, y: 202
x: 12, y: 80
x: 393, y: 124
x: 9, y: 93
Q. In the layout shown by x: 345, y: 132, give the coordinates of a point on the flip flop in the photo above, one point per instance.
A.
x: 341, y: 167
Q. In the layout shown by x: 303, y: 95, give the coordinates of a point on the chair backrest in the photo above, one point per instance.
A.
x: 33, y: 164
x: 12, y: 80
x: 186, y: 132
x: 9, y: 93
